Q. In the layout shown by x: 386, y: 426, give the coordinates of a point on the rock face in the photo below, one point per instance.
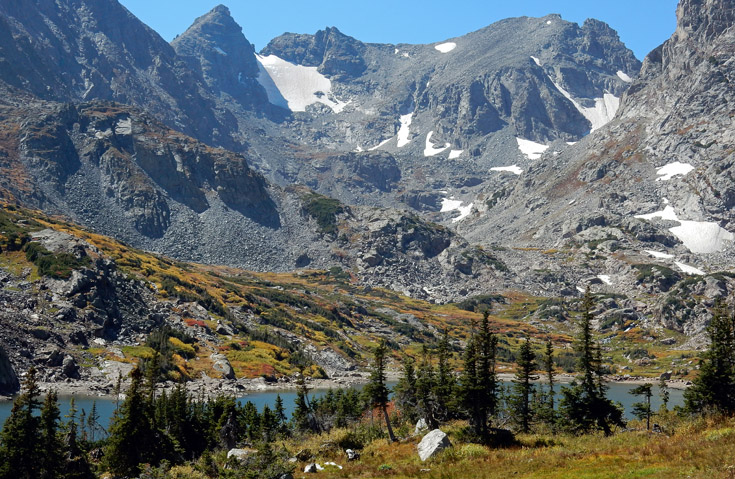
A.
x: 106, y: 53
x: 434, y: 442
x: 9, y: 383
x: 216, y: 46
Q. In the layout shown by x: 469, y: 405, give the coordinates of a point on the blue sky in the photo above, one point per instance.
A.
x: 642, y: 24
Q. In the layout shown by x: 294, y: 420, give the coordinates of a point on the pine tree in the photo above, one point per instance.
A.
x: 376, y: 390
x: 425, y: 390
x: 714, y: 389
x: 643, y: 409
x: 51, y: 445
x: 301, y: 416
x: 523, y: 386
x: 19, y: 452
x: 584, y: 404
x: 134, y: 438
x: 549, y: 368
x: 281, y: 419
x: 663, y: 392
x: 445, y: 383
x: 405, y: 392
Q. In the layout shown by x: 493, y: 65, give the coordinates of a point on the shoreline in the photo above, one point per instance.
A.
x: 209, y: 387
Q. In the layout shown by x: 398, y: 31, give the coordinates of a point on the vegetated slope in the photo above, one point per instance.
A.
x: 652, y: 187
x: 83, y: 306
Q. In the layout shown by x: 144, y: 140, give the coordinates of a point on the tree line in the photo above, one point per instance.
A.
x: 152, y: 428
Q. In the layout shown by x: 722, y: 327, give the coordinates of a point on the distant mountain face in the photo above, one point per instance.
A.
x: 84, y: 50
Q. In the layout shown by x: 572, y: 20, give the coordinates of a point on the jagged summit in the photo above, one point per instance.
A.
x: 215, y: 46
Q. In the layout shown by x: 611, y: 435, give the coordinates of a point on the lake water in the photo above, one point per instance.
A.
x: 619, y: 392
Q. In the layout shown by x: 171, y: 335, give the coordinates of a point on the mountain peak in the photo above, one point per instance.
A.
x: 220, y: 10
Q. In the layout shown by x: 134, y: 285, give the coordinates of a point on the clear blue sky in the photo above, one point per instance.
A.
x: 642, y: 24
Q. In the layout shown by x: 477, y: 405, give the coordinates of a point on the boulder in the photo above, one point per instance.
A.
x: 222, y: 365
x: 432, y: 443
x: 421, y: 426
x: 9, y: 383
x: 70, y: 368
x: 241, y: 454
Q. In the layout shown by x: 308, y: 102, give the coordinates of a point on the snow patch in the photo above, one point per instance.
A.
x: 548, y: 22
x: 605, y: 278
x: 430, y: 150
x: 581, y: 289
x: 571, y: 143
x: 450, y: 204
x: 697, y: 236
x: 404, y: 130
x: 220, y: 51
x: 446, y: 47
x: 515, y: 169
x: 295, y: 86
x: 623, y: 76
x: 598, y: 115
x: 685, y: 268
x: 454, y: 154
x: 536, y: 60
x: 531, y: 149
x: 667, y: 172
x: 658, y: 254
x: 124, y: 127
x: 380, y: 144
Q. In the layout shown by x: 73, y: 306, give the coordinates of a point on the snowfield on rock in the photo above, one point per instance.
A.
x: 676, y: 168
x: 531, y: 149
x: 446, y: 47
x: 698, y: 236
x: 294, y: 86
x: 515, y: 169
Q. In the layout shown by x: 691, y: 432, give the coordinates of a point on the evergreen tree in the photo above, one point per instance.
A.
x: 584, y: 404
x: 405, y: 392
x: 643, y: 409
x: 281, y: 419
x: 713, y: 390
x: 376, y: 390
x: 51, y: 446
x: 479, y: 385
x: 20, y: 456
x: 549, y: 368
x: 134, y: 438
x: 445, y: 383
x: 425, y: 391
x: 523, y: 386
x: 663, y: 392
x: 301, y: 416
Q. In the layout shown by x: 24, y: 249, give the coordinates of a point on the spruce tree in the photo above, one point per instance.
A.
x: 479, y: 386
x: 302, y: 412
x: 281, y: 419
x: 377, y: 392
x: 584, y: 404
x: 20, y: 456
x: 445, y: 383
x: 426, y: 391
x: 523, y: 386
x: 549, y: 368
x: 642, y: 410
x: 713, y: 391
x: 663, y: 392
x: 134, y: 438
x: 51, y: 446
x: 405, y: 391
